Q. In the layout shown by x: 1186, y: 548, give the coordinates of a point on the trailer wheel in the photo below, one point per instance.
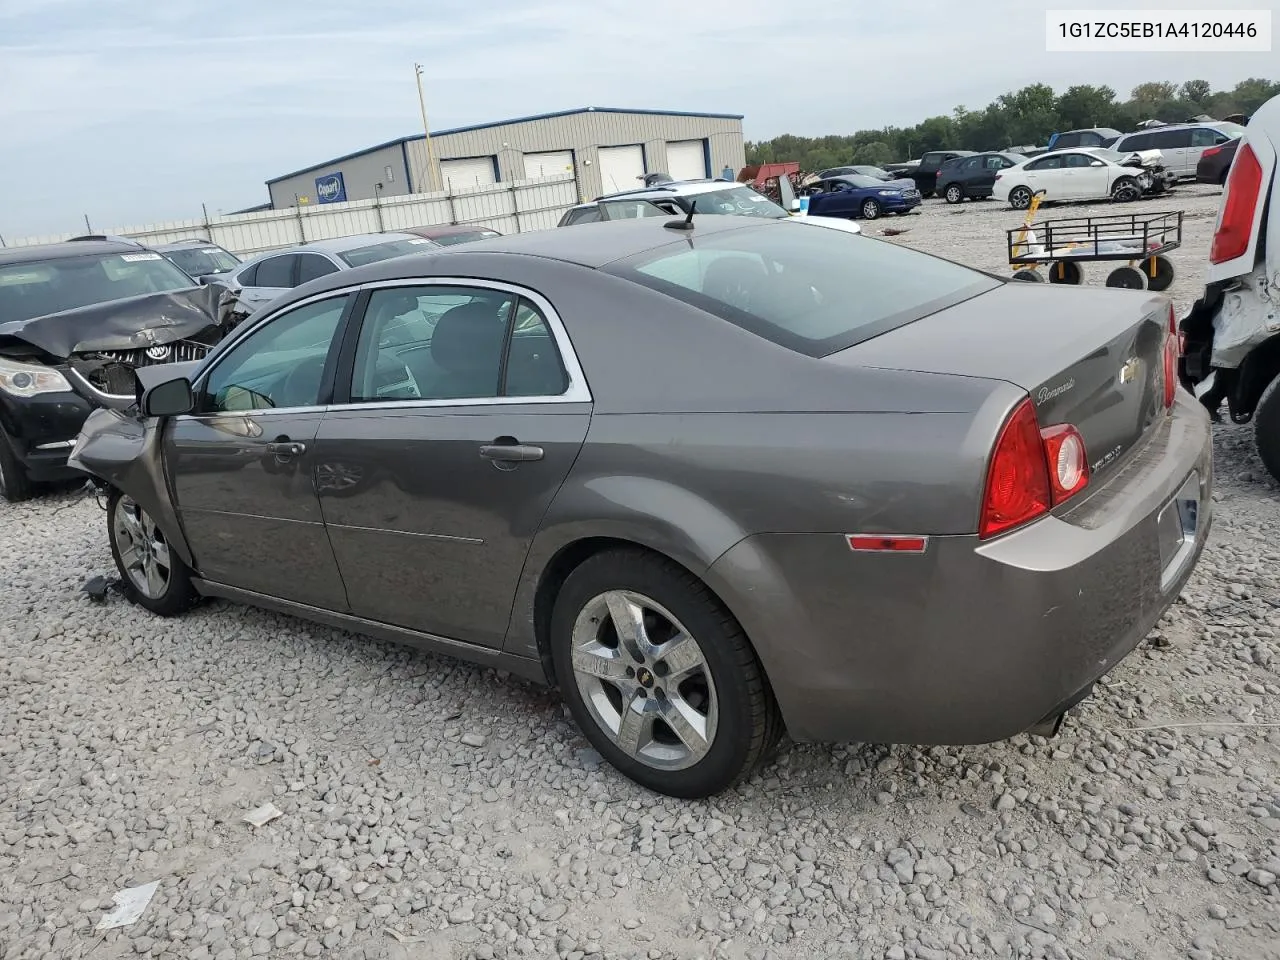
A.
x: 1066, y: 271
x: 1127, y: 278
x: 1031, y: 275
x: 1162, y: 277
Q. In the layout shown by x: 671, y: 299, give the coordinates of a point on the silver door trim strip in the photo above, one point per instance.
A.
x: 405, y: 533
x: 251, y: 516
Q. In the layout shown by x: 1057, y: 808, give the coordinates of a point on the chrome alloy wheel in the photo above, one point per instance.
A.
x: 144, y: 554
x: 644, y: 680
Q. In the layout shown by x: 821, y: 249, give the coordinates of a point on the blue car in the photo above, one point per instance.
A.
x: 860, y: 196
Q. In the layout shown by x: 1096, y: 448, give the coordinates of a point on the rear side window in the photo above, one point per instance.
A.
x: 585, y: 215
x: 812, y: 290
x: 276, y: 272
x: 1141, y: 141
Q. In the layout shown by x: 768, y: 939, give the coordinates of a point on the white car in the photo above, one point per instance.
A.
x: 1085, y: 173
x: 1231, y: 337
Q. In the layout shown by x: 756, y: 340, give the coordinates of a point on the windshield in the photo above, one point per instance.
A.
x: 864, y: 182
x: 385, y: 251
x: 737, y: 201
x: 30, y: 290
x: 812, y: 290
x: 1231, y: 130
x: 451, y: 238
x: 201, y: 261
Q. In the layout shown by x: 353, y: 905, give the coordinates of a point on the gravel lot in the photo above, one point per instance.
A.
x: 436, y: 810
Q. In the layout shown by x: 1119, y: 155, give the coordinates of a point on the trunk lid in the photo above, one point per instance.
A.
x: 1088, y: 357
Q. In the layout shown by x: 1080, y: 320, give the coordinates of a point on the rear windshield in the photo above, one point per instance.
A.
x: 203, y: 261
x: 810, y: 289
x: 737, y: 201
x: 30, y: 290
x: 386, y: 251
x: 446, y: 239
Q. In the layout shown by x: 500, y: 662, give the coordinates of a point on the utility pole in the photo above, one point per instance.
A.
x: 433, y: 169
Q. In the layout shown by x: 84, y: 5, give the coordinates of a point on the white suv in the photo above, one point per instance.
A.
x: 1181, y: 144
x: 1231, y: 336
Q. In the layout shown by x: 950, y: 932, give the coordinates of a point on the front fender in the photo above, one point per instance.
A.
x: 125, y: 452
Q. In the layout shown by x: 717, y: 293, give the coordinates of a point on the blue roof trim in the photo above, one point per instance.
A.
x: 400, y: 141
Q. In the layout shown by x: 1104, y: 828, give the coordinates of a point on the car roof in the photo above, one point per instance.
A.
x: 447, y: 230
x: 63, y: 251
x: 191, y: 243
x: 343, y: 244
x: 1179, y: 126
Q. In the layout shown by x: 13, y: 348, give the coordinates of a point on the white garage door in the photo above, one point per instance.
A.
x: 474, y: 172
x: 686, y: 160
x: 621, y: 168
x: 551, y: 164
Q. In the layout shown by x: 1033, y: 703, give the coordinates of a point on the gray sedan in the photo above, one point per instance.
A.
x: 712, y: 481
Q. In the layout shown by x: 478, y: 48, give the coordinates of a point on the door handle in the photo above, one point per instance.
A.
x: 511, y: 452
x: 284, y: 448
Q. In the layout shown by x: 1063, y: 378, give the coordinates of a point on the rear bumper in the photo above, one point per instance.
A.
x: 42, y: 429
x: 970, y: 642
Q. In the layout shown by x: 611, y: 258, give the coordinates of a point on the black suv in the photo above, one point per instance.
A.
x: 75, y: 319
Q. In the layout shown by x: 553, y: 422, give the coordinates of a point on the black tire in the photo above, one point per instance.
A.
x: 1066, y: 271
x: 1127, y: 278
x: 1125, y: 190
x: 1163, y: 278
x: 954, y: 193
x: 870, y: 209
x: 178, y: 595
x: 1032, y: 276
x: 1020, y: 198
x: 1266, y: 428
x: 15, y: 484
x: 748, y: 724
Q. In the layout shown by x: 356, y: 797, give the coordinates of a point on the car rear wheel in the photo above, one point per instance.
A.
x: 15, y: 485
x: 1266, y: 428
x: 152, y: 575
x: 1125, y: 190
x: 1127, y: 278
x: 1032, y: 276
x: 1019, y: 198
x: 659, y: 676
x: 953, y: 193
x: 870, y: 209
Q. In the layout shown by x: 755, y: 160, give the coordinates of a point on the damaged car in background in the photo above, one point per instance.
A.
x: 76, y: 320
x: 1231, y: 337
x: 1085, y: 173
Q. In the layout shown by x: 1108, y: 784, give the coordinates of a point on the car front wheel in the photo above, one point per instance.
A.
x: 659, y: 676
x: 153, y: 576
x: 1266, y: 427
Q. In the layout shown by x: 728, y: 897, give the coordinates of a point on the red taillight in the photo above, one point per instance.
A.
x: 1235, y: 224
x: 999, y: 175
x: 1068, y: 468
x: 1018, y: 478
x: 1211, y: 151
x: 1031, y: 471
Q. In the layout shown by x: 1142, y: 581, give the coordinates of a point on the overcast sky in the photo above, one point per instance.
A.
x: 137, y: 111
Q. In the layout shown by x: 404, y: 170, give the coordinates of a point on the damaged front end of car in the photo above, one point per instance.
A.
x: 1153, y: 176
x: 97, y: 349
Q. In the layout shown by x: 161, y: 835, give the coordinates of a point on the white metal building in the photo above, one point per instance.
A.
x: 607, y: 149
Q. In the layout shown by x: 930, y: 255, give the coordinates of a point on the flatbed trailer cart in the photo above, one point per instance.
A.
x: 1137, y: 240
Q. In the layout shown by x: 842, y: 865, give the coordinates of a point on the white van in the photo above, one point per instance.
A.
x: 1181, y: 143
x: 1231, y: 337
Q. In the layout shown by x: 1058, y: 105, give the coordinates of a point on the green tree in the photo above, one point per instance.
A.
x: 1196, y: 91
x: 1087, y: 106
x: 875, y: 153
x: 1154, y: 92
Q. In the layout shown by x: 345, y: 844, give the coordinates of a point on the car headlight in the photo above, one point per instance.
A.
x: 890, y: 193
x: 29, y: 379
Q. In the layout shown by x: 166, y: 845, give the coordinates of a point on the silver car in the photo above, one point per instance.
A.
x: 268, y: 275
x: 712, y: 477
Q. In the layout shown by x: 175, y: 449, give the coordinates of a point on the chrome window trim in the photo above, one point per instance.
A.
x: 578, y: 390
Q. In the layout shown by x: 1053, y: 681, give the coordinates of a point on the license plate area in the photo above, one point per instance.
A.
x: 1177, y: 526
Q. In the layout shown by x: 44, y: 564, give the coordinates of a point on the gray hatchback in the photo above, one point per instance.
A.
x: 713, y: 482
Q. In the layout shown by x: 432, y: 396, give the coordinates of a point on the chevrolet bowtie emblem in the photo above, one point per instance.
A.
x: 1129, y: 371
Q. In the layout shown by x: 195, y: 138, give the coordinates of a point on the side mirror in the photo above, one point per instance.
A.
x: 1097, y: 163
x: 168, y: 399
